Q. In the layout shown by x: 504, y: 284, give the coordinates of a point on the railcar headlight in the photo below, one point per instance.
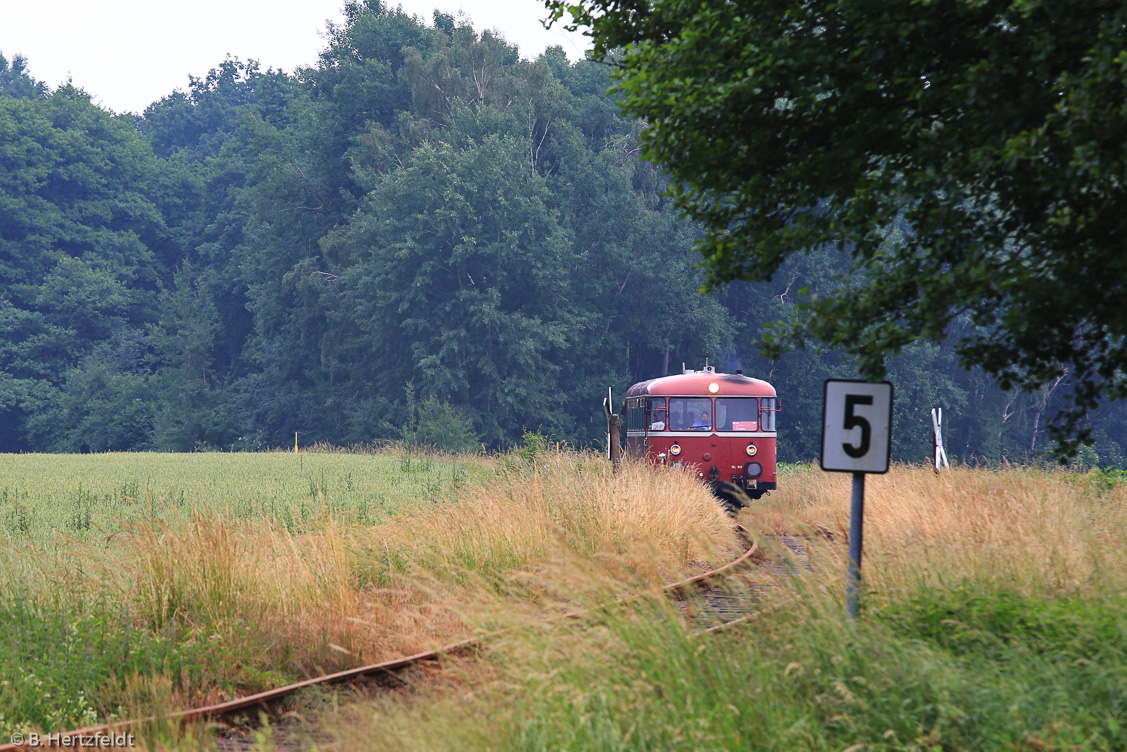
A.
x: 753, y: 470
x: 675, y: 449
x: 713, y: 387
x: 751, y: 450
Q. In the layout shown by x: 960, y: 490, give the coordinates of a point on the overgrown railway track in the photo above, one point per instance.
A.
x: 724, y: 610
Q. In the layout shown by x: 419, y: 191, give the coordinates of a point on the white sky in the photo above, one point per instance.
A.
x: 129, y: 53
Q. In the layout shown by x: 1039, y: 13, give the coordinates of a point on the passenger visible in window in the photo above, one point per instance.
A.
x: 703, y: 423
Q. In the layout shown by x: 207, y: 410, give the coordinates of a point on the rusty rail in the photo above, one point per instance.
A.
x: 701, y: 579
x: 56, y: 739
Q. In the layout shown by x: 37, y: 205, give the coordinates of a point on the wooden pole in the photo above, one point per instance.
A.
x: 614, y: 425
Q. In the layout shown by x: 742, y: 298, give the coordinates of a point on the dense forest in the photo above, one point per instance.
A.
x: 419, y: 237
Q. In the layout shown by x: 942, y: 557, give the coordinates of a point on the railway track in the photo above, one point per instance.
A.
x: 711, y: 608
x: 721, y: 609
x: 91, y: 734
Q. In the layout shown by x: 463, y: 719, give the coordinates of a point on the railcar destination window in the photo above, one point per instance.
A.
x: 737, y: 414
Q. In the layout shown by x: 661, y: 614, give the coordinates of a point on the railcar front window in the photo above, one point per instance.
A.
x: 690, y: 413
x: 737, y: 414
x: 656, y: 414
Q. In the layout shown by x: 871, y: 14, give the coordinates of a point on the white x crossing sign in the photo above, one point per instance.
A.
x: 937, y: 438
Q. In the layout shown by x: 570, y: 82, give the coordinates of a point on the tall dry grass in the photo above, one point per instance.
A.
x: 648, y: 522
x: 972, y: 638
x: 277, y: 603
x: 1024, y: 528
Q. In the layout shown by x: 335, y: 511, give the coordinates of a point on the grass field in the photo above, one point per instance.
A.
x: 994, y: 618
x: 194, y: 578
x: 101, y: 556
x: 91, y: 495
x: 994, y: 614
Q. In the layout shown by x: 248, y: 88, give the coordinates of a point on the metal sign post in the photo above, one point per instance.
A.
x: 856, y: 438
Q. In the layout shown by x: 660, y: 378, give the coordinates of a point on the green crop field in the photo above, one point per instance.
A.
x: 83, y: 496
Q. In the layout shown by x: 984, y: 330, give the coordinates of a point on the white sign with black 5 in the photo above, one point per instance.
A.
x: 856, y: 426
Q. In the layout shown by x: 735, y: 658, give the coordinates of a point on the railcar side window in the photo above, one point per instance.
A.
x: 737, y: 414
x: 634, y: 415
x: 656, y: 414
x: 690, y: 414
x: 768, y: 406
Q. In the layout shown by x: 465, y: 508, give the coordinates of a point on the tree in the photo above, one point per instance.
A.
x: 196, y: 124
x: 78, y: 231
x: 968, y: 155
x: 459, y: 255
x: 15, y: 81
x: 189, y: 410
x: 99, y: 409
x: 441, y: 212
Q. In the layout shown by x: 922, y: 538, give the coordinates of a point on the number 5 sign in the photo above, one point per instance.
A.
x: 856, y: 438
x: 857, y: 426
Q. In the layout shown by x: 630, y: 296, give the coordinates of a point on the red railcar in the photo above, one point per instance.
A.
x: 720, y: 426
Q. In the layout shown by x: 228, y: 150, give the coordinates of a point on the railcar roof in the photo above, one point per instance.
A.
x: 697, y: 383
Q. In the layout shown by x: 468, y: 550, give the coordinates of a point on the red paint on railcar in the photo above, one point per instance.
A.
x: 720, y: 426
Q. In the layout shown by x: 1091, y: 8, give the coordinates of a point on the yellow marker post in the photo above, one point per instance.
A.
x: 295, y: 442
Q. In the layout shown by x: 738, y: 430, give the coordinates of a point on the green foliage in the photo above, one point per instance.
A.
x: 77, y: 240
x: 984, y: 671
x: 480, y: 301
x: 196, y: 124
x: 190, y: 409
x: 460, y: 230
x: 432, y: 424
x: 1001, y: 625
x: 1106, y: 480
x: 264, y: 253
x: 961, y: 152
x: 98, y: 410
x: 534, y: 445
x: 62, y: 661
x: 15, y: 81
x: 525, y: 457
